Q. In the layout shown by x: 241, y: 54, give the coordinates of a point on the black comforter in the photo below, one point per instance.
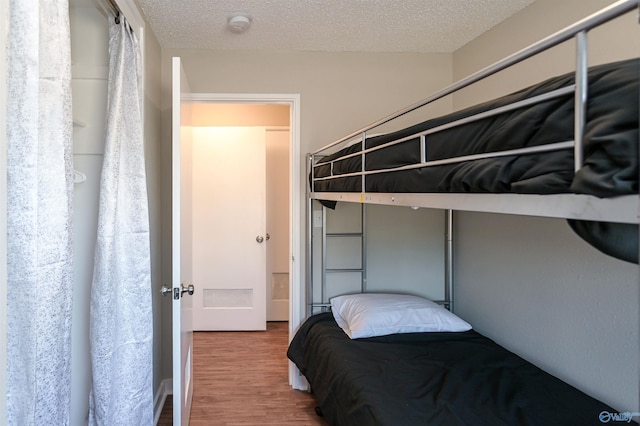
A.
x: 431, y: 379
x: 611, y: 145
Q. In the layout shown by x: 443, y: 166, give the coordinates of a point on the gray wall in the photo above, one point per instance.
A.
x: 155, y: 192
x: 404, y: 251
x: 90, y: 59
x: 530, y: 283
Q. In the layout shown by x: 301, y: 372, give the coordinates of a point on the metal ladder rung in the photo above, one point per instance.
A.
x: 345, y: 234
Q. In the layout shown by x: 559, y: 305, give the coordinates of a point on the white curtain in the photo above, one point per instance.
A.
x: 120, y: 313
x: 39, y: 212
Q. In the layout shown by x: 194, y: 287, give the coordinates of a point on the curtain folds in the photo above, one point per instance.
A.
x: 120, y: 312
x: 39, y: 213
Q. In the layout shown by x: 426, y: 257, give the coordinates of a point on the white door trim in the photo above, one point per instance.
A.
x: 296, y: 301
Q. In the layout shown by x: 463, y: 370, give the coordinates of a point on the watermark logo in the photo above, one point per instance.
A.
x: 627, y: 416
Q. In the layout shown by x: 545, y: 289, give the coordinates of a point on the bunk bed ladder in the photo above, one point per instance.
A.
x: 326, y: 235
x: 318, y: 219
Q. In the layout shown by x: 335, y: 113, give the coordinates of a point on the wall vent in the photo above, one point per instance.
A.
x: 228, y: 298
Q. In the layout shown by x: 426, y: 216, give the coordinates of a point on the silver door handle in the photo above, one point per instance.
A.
x: 268, y: 237
x: 259, y: 239
x: 165, y: 290
x: 188, y: 289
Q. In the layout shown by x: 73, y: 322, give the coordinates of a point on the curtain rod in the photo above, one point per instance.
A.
x: 114, y: 9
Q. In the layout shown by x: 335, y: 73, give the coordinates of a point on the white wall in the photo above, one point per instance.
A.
x: 530, y: 283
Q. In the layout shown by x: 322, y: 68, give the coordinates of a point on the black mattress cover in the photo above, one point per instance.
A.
x: 611, y: 145
x: 431, y: 379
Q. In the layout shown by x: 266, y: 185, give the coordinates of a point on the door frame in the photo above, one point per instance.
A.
x: 295, y: 273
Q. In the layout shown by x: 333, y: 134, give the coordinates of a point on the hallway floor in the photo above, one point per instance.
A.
x: 241, y: 379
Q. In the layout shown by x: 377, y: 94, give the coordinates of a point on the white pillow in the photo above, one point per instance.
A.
x: 378, y: 314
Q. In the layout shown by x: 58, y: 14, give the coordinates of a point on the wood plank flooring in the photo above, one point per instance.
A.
x: 241, y: 379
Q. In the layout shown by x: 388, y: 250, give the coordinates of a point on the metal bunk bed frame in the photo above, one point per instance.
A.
x: 622, y: 209
x: 324, y: 303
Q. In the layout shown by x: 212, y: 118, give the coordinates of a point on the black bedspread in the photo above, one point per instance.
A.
x: 611, y: 145
x: 431, y: 379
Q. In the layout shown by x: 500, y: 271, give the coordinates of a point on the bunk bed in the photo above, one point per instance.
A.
x: 572, y: 138
x: 564, y: 148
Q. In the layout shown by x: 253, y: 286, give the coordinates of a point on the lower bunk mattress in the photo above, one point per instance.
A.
x: 431, y: 379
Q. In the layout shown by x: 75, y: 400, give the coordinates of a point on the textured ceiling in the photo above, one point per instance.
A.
x: 327, y: 25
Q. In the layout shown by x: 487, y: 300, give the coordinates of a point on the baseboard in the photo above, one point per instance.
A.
x: 165, y: 389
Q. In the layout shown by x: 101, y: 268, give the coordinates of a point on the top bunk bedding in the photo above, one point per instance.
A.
x: 610, y: 166
x: 479, y: 150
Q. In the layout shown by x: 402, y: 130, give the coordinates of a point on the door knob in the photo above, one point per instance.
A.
x: 188, y: 289
x: 259, y: 239
x: 165, y: 290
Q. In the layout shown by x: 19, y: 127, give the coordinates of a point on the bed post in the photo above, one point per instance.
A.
x: 363, y: 158
x: 448, y: 259
x: 580, y: 99
x: 363, y: 247
x: 323, y: 279
x: 309, y: 259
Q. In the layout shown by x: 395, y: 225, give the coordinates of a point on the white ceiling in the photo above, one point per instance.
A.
x: 326, y: 25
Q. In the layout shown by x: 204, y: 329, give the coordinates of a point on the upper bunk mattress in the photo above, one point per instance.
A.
x: 431, y: 379
x: 610, y: 149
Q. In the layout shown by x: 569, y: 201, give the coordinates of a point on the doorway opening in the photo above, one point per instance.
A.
x: 184, y: 99
x: 240, y: 215
x: 280, y: 123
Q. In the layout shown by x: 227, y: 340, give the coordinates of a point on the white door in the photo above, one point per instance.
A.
x: 278, y: 257
x: 229, y: 235
x: 182, y: 332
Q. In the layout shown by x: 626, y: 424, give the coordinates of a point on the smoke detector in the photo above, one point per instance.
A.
x: 239, y: 22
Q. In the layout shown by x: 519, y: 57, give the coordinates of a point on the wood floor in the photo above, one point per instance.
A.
x: 241, y: 379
